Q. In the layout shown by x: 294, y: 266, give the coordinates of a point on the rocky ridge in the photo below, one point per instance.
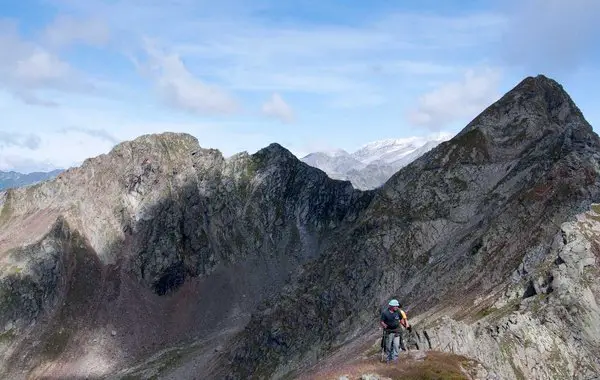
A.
x: 158, y: 235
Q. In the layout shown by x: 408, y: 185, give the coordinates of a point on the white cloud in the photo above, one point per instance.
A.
x: 456, y: 100
x: 277, y: 108
x: 27, y: 68
x: 332, y: 60
x: 67, y: 30
x: 40, y: 67
x: 181, y: 89
x: 229, y: 47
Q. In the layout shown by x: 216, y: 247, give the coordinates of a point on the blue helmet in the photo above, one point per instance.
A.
x: 394, y: 303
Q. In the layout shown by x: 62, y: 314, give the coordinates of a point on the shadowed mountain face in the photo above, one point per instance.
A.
x: 163, y: 247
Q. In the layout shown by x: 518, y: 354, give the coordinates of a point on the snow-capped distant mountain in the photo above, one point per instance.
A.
x: 335, y: 164
x: 374, y: 163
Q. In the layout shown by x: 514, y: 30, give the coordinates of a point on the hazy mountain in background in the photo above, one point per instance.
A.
x: 16, y: 179
x: 374, y: 163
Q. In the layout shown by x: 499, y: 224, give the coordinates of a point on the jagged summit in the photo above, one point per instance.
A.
x: 275, y: 150
x: 536, y: 112
x: 156, y: 144
x: 539, y: 99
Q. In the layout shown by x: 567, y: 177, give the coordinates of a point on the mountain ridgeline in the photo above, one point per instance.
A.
x: 165, y: 260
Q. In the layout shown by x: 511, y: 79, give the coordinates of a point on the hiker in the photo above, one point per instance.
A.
x: 393, y: 320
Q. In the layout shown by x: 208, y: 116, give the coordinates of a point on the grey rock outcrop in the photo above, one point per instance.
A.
x: 446, y: 230
x: 546, y: 323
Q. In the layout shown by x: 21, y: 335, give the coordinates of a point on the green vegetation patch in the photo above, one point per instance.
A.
x: 7, y: 336
x: 6, y: 210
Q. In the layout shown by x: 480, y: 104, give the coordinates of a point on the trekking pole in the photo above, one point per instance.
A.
x: 383, y: 346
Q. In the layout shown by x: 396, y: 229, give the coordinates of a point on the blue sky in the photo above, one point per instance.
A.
x: 77, y: 77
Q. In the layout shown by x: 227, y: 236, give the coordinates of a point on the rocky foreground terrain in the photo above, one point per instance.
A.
x: 165, y: 260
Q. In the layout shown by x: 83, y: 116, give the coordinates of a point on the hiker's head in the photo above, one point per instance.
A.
x: 394, y: 304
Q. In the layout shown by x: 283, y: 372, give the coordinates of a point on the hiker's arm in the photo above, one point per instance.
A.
x: 404, y: 320
x: 382, y: 323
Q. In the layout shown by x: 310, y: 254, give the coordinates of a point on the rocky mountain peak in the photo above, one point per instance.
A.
x: 548, y: 94
x: 275, y: 153
x: 535, y: 100
x: 536, y: 112
x: 163, y: 147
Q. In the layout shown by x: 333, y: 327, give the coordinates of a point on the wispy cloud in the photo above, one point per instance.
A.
x: 99, y: 133
x: 333, y: 60
x: 456, y: 100
x: 239, y: 51
x: 12, y: 139
x: 28, y: 67
x: 277, y: 108
x: 67, y: 30
x: 179, y: 88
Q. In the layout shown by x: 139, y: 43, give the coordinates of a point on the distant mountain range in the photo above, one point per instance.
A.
x: 15, y: 179
x: 374, y: 163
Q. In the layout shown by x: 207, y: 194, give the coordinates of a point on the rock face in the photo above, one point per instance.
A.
x: 546, y: 324
x: 149, y: 261
x: 444, y: 233
x: 159, y: 235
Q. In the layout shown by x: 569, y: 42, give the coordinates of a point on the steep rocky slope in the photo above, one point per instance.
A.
x: 156, y: 243
x: 446, y: 232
